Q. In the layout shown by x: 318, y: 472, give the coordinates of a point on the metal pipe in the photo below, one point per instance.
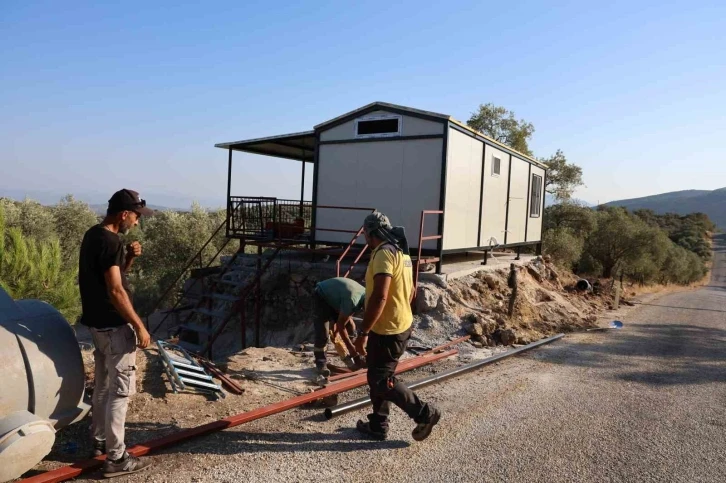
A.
x: 434, y: 350
x: 71, y: 471
x: 365, y: 401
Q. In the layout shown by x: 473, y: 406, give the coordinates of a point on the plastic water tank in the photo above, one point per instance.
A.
x: 42, y: 388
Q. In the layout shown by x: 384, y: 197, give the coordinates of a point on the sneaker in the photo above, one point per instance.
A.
x: 365, y: 428
x: 422, y: 430
x: 322, y: 368
x: 124, y: 466
x: 99, y: 447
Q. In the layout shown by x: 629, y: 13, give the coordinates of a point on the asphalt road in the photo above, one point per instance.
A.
x: 646, y: 403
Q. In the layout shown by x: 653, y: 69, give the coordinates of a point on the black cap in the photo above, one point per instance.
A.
x: 128, y: 200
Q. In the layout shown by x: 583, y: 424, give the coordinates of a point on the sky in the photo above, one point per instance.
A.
x: 95, y: 96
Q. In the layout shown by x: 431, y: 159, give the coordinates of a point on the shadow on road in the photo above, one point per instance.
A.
x: 233, y: 442
x: 654, y: 354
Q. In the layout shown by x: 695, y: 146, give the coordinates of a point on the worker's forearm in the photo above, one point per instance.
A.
x: 127, y: 265
x: 122, y: 303
x: 341, y: 326
x: 374, y: 309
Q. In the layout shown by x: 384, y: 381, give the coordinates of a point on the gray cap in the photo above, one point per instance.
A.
x: 376, y: 220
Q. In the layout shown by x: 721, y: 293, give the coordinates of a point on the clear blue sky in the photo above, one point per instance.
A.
x: 94, y: 97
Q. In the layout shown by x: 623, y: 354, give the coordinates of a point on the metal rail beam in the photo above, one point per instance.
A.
x: 72, y: 471
x: 365, y: 401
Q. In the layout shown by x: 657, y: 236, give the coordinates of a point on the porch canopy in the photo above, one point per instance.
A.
x: 297, y: 146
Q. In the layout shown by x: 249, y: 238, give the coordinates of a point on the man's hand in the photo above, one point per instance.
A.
x: 133, y: 250
x: 144, y: 338
x: 360, y: 344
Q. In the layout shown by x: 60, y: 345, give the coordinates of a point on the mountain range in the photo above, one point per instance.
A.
x: 712, y: 203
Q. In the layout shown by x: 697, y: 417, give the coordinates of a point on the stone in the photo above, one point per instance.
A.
x: 427, y: 267
x: 477, y: 344
x: 472, y: 328
x: 506, y: 336
x: 491, y: 281
x: 426, y: 300
x: 523, y: 339
x: 487, y: 324
x: 534, y: 271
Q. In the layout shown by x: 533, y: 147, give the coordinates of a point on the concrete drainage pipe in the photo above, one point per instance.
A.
x: 42, y: 386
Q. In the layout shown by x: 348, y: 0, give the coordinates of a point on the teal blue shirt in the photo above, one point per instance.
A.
x: 344, y: 295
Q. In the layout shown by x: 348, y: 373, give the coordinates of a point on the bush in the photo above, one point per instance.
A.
x: 33, y: 269
x: 563, y: 246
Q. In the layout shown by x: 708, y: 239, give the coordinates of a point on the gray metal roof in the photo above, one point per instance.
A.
x: 299, y: 146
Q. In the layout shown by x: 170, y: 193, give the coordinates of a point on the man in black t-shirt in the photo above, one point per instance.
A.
x: 115, y: 327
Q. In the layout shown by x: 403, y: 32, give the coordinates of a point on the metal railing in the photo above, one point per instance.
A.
x: 187, y: 266
x: 260, y: 217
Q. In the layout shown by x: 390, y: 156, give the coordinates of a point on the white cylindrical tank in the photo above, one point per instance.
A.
x: 43, y: 382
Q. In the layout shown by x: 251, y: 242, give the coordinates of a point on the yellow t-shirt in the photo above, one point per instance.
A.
x: 396, y: 317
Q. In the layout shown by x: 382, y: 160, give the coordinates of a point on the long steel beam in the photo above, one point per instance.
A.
x: 440, y: 348
x: 72, y: 471
x: 365, y: 401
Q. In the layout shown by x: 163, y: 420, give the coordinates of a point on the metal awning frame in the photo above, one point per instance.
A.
x: 296, y: 146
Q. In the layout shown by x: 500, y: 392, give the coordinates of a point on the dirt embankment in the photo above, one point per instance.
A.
x: 547, y: 302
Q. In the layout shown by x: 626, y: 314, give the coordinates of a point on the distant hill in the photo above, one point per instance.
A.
x: 712, y: 203
x: 550, y: 200
x: 101, y: 209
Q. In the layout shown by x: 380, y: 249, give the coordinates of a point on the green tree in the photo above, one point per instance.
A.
x: 72, y: 219
x: 33, y: 219
x: 563, y: 178
x: 33, y: 269
x: 501, y: 125
x: 169, y: 240
x: 563, y: 245
x: 581, y: 220
x: 619, y: 239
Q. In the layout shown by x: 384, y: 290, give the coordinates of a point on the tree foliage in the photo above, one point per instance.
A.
x: 563, y: 178
x: 33, y: 268
x: 169, y: 241
x: 642, y: 246
x: 501, y: 125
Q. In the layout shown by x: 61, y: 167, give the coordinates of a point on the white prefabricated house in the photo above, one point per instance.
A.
x: 400, y: 161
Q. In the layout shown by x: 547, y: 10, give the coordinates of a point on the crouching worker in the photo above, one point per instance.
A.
x: 336, y: 300
x: 386, y: 328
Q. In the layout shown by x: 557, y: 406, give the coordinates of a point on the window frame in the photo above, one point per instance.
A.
x: 494, y: 173
x: 540, y: 195
x: 383, y: 117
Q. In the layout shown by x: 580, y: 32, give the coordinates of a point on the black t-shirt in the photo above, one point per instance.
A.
x: 100, y: 250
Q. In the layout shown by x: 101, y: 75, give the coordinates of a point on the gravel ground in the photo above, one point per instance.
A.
x: 646, y: 403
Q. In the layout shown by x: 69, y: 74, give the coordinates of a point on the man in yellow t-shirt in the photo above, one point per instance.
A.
x: 386, y: 328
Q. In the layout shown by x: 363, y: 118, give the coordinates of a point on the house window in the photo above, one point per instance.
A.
x: 535, y: 198
x: 380, y: 126
x: 496, y: 166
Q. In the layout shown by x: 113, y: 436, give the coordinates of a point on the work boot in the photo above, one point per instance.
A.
x: 322, y: 367
x: 99, y: 447
x: 422, y: 430
x: 365, y: 428
x: 124, y: 466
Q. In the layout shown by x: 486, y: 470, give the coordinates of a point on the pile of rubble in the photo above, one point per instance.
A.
x: 547, y: 302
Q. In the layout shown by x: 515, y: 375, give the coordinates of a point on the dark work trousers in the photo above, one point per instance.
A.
x: 383, y: 354
x: 324, y: 314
